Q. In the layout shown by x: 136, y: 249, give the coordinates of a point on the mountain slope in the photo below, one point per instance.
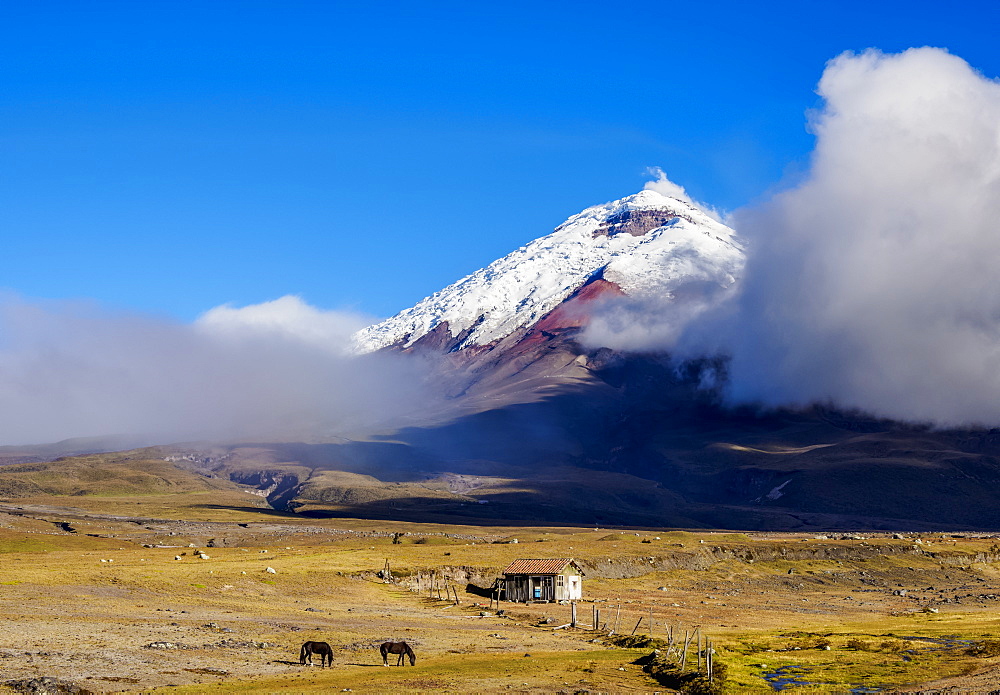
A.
x: 531, y: 399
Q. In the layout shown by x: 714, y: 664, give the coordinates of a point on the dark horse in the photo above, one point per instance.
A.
x: 401, y: 648
x: 322, y: 649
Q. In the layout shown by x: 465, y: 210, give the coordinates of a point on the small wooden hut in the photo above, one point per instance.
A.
x: 557, y: 579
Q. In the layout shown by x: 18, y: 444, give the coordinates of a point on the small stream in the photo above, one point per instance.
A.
x: 795, y: 675
x: 781, y: 678
x: 942, y: 642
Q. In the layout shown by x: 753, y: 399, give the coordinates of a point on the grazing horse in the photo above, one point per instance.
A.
x: 401, y: 648
x: 322, y: 649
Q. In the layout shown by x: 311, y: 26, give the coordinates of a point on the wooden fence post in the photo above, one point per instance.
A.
x: 710, y: 652
x: 698, y: 647
x: 572, y: 611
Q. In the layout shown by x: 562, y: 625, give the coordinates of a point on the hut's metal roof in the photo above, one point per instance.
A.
x: 538, y: 566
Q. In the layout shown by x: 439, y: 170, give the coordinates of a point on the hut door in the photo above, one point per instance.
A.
x: 536, y: 588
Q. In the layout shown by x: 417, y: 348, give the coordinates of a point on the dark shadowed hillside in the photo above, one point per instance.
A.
x: 635, y: 442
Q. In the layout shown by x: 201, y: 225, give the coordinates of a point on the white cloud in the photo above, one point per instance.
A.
x: 288, y: 317
x: 665, y: 186
x: 279, y: 369
x: 873, y: 284
x: 661, y: 184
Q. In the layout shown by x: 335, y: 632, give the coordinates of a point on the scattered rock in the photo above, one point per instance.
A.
x: 271, y: 570
x: 46, y: 685
x: 236, y: 644
x: 209, y: 671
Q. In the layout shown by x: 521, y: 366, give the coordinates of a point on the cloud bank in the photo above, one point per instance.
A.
x: 277, y: 369
x: 872, y: 284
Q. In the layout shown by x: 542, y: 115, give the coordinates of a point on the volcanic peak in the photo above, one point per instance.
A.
x: 646, y: 244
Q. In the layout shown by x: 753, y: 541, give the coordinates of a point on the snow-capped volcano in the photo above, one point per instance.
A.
x: 647, y: 244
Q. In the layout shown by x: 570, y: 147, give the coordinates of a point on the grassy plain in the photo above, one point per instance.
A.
x: 92, y: 592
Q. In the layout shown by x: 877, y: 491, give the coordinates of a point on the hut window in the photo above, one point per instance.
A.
x: 560, y: 580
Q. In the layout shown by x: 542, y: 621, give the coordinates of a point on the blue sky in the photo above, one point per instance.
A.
x: 169, y: 157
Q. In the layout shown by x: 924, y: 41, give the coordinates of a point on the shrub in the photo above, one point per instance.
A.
x: 637, y: 642
x: 894, y: 646
x: 984, y: 648
x: 666, y: 672
x: 858, y: 645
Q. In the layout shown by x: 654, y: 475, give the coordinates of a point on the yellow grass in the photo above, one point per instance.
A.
x: 55, y: 584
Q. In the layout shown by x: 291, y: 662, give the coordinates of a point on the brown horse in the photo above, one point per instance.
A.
x: 322, y: 649
x: 401, y: 648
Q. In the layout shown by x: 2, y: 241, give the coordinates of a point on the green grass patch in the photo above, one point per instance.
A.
x: 842, y: 660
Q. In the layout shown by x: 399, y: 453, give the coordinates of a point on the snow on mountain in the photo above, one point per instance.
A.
x: 648, y: 244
